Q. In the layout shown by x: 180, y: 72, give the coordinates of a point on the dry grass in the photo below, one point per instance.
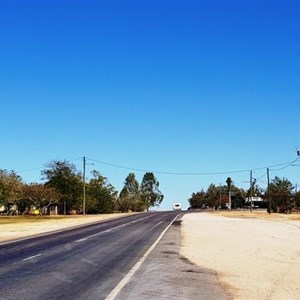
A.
x: 48, y: 219
x: 257, y: 215
x: 14, y: 227
x: 30, y: 219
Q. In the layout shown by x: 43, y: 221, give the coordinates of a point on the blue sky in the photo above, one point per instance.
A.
x: 171, y: 86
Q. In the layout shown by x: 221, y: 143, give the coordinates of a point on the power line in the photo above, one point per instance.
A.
x: 39, y: 168
x: 28, y: 170
x: 262, y: 176
x: 286, y: 164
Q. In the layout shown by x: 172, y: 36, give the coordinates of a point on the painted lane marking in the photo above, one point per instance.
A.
x: 81, y: 240
x: 116, y: 291
x: 31, y: 257
x: 42, y: 234
x: 108, y: 230
x: 156, y: 224
x: 96, y: 234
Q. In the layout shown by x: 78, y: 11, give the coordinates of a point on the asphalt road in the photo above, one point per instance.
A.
x: 83, y: 263
x: 90, y: 262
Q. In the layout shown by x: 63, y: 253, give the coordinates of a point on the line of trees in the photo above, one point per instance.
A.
x: 62, y: 192
x: 283, y: 196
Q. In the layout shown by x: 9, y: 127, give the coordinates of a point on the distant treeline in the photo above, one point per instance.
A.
x: 280, y: 196
x: 65, y: 192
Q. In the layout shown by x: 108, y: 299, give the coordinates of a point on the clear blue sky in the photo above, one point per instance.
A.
x: 171, y: 86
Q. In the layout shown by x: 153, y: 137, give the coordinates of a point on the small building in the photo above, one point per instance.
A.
x: 257, y: 202
x: 253, y: 199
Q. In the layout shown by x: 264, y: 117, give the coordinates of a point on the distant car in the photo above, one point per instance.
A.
x: 177, y: 206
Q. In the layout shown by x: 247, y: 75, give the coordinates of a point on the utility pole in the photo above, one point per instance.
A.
x: 83, y: 179
x: 220, y: 198
x: 251, y: 191
x: 269, y: 196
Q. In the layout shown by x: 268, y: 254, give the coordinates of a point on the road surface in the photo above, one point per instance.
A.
x: 98, y: 261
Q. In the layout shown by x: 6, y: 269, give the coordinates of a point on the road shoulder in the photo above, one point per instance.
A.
x: 167, y: 275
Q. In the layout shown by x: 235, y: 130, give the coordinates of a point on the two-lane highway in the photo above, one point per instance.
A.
x: 82, y: 263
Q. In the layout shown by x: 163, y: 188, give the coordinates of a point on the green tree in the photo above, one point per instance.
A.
x: 198, y: 200
x: 64, y: 177
x: 131, y: 185
x: 281, y: 195
x: 40, y: 195
x: 297, y: 200
x: 150, y: 193
x: 10, y: 190
x: 238, y: 196
x: 101, y: 195
x: 229, y: 183
x: 213, y: 196
x: 130, y: 198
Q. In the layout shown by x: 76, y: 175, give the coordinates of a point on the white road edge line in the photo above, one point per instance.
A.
x: 31, y: 257
x: 115, y: 292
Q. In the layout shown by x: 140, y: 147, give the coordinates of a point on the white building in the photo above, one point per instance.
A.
x: 253, y: 199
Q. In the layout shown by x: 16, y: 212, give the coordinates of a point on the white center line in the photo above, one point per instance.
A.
x: 31, y: 257
x: 108, y: 230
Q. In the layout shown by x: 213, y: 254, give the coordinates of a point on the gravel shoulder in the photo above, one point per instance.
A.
x: 255, y: 257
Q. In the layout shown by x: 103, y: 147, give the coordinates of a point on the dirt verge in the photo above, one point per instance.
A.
x: 257, y: 258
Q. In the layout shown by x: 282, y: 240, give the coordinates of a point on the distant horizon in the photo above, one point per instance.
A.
x: 184, y: 202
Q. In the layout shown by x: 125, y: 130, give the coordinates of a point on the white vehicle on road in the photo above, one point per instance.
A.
x: 177, y: 206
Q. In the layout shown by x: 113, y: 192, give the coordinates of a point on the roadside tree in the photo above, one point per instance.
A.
x: 198, y: 200
x: 40, y: 196
x: 281, y: 195
x: 64, y: 177
x: 229, y: 183
x: 130, y: 198
x: 297, y: 200
x: 101, y: 195
x: 238, y: 197
x: 150, y: 193
x: 213, y: 196
x: 10, y: 190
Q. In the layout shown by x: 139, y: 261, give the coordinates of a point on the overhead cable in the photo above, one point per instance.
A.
x: 286, y: 164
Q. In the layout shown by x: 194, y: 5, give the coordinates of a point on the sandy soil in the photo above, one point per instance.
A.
x: 256, y: 258
x: 19, y: 227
